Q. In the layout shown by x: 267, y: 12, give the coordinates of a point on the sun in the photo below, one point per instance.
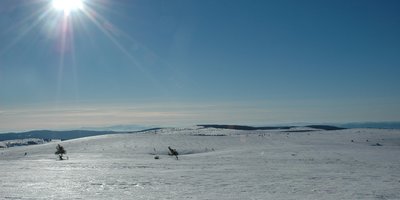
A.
x: 67, y: 5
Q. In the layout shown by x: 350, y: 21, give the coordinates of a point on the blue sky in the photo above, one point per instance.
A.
x: 185, y: 62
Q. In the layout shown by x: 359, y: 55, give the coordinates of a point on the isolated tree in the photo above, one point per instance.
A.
x: 173, y: 152
x: 60, y: 151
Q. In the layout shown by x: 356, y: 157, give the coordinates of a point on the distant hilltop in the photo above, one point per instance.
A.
x: 382, y: 125
x: 50, y: 135
x: 61, y: 135
x: 247, y: 128
x: 328, y: 126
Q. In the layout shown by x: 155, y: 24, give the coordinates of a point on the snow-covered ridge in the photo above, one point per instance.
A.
x: 22, y: 142
x: 224, y: 130
x: 49, y: 135
x: 73, y: 134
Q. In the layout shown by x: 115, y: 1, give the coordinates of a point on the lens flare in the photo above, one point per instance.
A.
x: 67, y: 5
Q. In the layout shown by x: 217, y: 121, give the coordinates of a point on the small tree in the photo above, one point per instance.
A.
x: 173, y: 152
x: 60, y: 151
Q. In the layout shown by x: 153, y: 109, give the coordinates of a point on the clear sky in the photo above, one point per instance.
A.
x: 185, y: 62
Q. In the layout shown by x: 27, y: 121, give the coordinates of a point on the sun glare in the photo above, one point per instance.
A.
x: 67, y: 5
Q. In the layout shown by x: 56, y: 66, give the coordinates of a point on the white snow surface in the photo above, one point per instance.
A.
x: 213, y: 164
x: 20, y: 142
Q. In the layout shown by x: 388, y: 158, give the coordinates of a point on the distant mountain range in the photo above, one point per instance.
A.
x: 47, y: 134
x: 383, y: 125
x: 328, y: 126
x: 119, y: 128
x: 247, y: 128
x: 72, y: 134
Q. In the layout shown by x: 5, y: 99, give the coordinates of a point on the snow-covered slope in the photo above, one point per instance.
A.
x: 214, y: 164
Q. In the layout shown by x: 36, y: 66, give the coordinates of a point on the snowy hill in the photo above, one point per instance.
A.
x: 47, y: 134
x: 21, y: 142
x: 213, y: 164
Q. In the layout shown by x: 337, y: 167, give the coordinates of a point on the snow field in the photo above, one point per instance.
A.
x: 213, y: 164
